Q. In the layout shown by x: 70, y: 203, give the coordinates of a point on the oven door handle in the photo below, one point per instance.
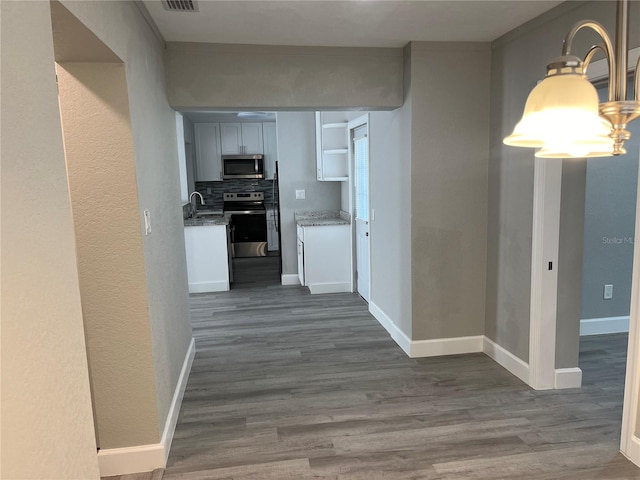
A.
x: 246, y: 212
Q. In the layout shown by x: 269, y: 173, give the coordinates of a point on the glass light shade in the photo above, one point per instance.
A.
x: 561, y: 115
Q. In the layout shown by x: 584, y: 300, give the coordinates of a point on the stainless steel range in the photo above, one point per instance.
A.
x: 248, y: 223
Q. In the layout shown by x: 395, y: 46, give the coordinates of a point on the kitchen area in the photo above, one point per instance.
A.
x: 268, y: 200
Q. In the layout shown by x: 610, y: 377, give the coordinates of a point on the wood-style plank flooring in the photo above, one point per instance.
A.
x: 286, y: 385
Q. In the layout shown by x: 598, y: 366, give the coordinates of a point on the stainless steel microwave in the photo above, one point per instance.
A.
x: 242, y: 166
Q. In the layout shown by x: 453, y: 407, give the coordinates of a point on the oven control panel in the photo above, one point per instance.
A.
x: 243, y: 197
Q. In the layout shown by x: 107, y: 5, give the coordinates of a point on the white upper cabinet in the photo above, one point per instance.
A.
x: 208, y: 160
x: 270, y: 149
x: 332, y: 146
x: 230, y: 138
x: 252, y: 138
x: 241, y: 138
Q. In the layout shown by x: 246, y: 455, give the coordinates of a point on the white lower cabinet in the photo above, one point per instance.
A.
x: 324, y: 258
x: 207, y: 258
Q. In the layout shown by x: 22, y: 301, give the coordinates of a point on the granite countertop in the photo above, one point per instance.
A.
x: 207, y: 221
x: 321, y: 218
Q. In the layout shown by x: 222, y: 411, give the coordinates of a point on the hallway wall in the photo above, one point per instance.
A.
x: 449, y: 187
x: 121, y: 27
x: 47, y: 425
x: 94, y: 109
x: 261, y: 77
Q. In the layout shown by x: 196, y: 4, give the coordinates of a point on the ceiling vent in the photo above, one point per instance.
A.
x: 180, y: 5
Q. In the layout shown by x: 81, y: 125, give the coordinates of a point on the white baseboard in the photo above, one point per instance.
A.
x: 506, y: 359
x: 145, y: 458
x: 568, y: 378
x: 290, y: 279
x: 426, y: 348
x: 398, y: 335
x: 176, y: 401
x: 602, y: 326
x: 446, y: 346
x: 329, y: 287
x: 633, y: 452
x: 204, y: 287
x: 122, y: 461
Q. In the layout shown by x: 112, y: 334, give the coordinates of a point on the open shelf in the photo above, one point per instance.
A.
x: 332, y: 146
x: 336, y: 179
x: 335, y: 151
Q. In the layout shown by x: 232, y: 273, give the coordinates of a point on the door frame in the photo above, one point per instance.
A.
x: 353, y: 124
x: 542, y: 330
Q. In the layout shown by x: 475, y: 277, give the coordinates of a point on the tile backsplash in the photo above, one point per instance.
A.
x: 212, y: 191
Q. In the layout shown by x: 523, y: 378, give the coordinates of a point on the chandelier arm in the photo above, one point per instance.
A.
x: 589, y: 56
x: 607, y: 47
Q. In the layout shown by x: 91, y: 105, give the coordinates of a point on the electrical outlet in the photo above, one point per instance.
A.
x: 608, y: 292
x: 300, y: 194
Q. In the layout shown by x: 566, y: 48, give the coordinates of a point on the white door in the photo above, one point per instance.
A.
x: 361, y: 186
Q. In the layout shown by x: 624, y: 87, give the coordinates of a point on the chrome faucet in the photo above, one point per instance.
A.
x: 194, y: 205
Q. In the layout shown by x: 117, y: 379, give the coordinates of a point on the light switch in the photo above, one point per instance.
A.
x: 147, y: 222
x: 608, y: 292
x: 300, y: 194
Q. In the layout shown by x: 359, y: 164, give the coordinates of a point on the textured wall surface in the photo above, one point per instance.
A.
x: 297, y: 167
x: 102, y: 181
x: 47, y: 425
x: 263, y: 77
x: 123, y: 29
x: 390, y: 200
x: 570, y: 262
x: 449, y: 161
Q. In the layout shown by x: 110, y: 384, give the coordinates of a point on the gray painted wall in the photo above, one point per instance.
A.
x: 390, y: 198
x: 121, y: 27
x: 610, y: 207
x: 449, y: 161
x: 285, y: 78
x: 518, y: 62
x: 570, y: 262
x: 390, y: 201
x: 296, y: 132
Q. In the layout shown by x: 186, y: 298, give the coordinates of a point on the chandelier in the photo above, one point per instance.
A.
x: 562, y: 117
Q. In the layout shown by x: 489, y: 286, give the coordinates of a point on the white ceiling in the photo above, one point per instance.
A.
x: 345, y: 23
